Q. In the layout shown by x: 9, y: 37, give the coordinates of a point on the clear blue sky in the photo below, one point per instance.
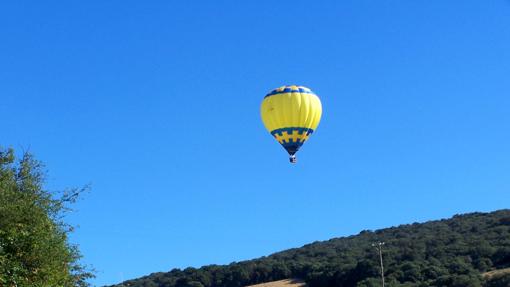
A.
x: 156, y: 104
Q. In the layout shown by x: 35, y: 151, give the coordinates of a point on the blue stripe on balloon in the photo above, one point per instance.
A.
x: 289, y: 130
x: 289, y: 90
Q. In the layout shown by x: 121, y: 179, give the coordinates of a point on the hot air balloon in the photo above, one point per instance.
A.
x: 291, y: 114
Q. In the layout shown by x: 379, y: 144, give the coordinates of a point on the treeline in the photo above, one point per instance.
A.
x: 453, y: 252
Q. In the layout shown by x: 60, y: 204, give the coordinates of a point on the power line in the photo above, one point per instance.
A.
x: 378, y: 246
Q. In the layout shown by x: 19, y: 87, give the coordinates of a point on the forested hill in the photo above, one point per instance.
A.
x: 451, y: 252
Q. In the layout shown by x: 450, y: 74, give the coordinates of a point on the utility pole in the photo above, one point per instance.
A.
x: 378, y: 246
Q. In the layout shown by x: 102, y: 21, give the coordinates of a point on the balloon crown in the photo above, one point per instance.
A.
x: 290, y: 89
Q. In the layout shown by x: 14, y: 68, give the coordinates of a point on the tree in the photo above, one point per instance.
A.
x: 34, y: 246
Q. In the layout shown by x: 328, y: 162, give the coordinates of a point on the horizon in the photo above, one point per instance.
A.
x: 463, y: 216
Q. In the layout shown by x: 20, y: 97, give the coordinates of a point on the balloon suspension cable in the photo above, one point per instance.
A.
x: 292, y: 159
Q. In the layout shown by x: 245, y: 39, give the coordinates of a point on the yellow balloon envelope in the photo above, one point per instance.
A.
x: 291, y: 114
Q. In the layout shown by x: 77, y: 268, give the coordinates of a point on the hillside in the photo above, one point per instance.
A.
x: 496, y: 273
x: 282, y: 283
x: 460, y: 251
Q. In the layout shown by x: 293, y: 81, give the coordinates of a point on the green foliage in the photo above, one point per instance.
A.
x: 34, y: 248
x: 453, y: 252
